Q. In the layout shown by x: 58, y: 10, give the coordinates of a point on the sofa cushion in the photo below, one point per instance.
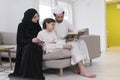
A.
x: 5, y: 55
x: 8, y: 38
x: 58, y: 64
x: 57, y: 54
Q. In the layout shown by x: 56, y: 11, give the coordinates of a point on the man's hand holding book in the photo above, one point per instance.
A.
x: 73, y: 35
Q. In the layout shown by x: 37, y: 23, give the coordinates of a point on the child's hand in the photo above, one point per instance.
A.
x: 52, y: 42
x: 41, y: 43
x: 69, y: 47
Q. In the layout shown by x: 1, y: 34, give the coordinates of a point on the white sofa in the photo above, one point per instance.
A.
x: 60, y: 59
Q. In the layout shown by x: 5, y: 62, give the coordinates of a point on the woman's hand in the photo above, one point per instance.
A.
x: 37, y: 41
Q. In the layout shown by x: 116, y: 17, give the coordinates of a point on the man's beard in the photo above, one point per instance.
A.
x: 59, y: 21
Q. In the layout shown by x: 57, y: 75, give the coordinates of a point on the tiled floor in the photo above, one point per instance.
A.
x: 106, y: 67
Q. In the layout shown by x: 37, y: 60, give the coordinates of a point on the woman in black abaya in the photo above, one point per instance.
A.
x: 29, y: 48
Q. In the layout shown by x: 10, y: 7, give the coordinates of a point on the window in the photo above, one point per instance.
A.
x: 45, y: 9
x: 46, y: 6
x: 68, y: 10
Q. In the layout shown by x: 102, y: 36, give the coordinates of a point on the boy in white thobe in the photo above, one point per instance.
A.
x: 48, y: 36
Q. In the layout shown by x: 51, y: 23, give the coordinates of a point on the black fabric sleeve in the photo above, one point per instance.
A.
x: 21, y: 39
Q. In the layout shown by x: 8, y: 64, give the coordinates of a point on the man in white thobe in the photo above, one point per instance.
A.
x: 79, y: 51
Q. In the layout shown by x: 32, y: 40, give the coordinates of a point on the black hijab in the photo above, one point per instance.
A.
x: 27, y: 30
x: 30, y: 27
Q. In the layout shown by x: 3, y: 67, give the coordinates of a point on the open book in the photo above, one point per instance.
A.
x: 73, y: 34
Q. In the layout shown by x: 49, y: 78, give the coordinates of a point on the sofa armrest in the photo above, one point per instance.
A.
x: 93, y: 45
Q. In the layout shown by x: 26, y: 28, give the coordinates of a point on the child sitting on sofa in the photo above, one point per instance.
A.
x: 51, y: 43
x: 48, y: 36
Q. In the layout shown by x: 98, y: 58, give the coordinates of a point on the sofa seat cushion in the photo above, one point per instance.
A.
x: 57, y: 54
x: 58, y: 64
x: 5, y: 55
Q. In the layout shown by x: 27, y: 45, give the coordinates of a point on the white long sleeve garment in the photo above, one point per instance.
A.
x: 79, y: 51
x: 62, y: 29
x: 48, y: 37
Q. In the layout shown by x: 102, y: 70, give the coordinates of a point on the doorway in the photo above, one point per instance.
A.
x: 113, y: 23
